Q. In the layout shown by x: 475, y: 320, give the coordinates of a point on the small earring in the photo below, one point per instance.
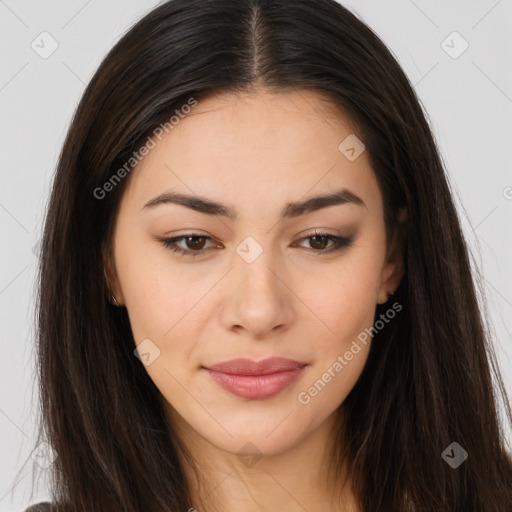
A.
x: 114, y: 300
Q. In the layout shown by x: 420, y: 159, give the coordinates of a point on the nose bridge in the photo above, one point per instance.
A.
x: 258, y: 298
x: 256, y: 267
x: 260, y: 276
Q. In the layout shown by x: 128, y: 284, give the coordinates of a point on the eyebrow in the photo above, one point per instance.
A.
x: 210, y: 207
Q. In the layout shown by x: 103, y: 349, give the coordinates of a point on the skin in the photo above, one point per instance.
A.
x: 255, y: 152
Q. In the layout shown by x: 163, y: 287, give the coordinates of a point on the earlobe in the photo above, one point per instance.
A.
x: 114, y: 294
x: 391, y: 278
x: 393, y: 270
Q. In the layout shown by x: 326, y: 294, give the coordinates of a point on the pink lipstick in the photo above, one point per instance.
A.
x: 255, y: 380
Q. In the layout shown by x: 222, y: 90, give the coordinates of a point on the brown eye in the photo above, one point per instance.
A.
x: 191, y: 245
x: 195, y: 242
x: 319, y: 242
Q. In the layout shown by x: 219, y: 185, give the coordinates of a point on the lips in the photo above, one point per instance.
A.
x: 255, y: 380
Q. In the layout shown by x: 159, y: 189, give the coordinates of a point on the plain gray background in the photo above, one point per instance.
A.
x: 467, y: 95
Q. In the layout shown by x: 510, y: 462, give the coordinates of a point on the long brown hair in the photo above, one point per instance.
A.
x: 429, y: 378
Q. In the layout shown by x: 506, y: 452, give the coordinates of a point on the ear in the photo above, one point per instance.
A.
x: 111, y: 279
x: 393, y: 269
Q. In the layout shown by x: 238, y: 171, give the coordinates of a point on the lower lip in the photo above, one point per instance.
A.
x: 255, y: 387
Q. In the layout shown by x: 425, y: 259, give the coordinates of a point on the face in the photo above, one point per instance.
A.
x: 265, y: 274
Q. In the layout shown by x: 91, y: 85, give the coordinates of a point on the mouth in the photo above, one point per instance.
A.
x: 255, y: 380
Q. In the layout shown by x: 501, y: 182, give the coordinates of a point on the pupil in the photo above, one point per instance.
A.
x: 317, y: 237
x: 194, y: 243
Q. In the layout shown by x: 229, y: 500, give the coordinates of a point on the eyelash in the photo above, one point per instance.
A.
x: 339, y: 243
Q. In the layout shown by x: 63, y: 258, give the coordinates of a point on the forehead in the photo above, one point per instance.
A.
x: 257, y: 120
x: 261, y: 144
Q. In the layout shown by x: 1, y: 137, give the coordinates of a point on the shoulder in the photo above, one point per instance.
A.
x: 40, y: 507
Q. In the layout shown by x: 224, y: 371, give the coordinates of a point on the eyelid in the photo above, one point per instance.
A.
x: 340, y: 242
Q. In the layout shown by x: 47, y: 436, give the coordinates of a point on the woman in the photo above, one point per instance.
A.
x: 254, y: 289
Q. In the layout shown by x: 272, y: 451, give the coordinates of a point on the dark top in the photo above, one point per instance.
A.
x: 40, y: 507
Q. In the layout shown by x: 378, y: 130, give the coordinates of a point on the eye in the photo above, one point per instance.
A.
x: 318, y: 241
x: 195, y: 243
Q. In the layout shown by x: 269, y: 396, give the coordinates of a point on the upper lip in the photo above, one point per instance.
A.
x: 244, y: 366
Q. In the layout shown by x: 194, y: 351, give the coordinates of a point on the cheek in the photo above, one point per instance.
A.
x: 160, y: 302
x: 158, y: 294
x: 346, y: 309
x: 345, y: 302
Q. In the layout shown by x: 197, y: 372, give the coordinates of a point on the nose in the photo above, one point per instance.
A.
x: 258, y: 300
